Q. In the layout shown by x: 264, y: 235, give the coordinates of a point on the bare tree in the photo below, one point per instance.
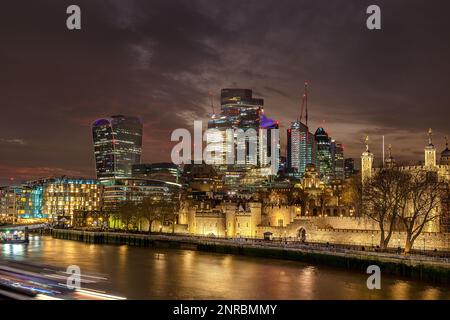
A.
x: 324, y: 198
x: 160, y: 209
x: 424, y: 194
x: 115, y: 217
x: 382, y: 197
x: 128, y: 212
x: 169, y: 212
x: 149, y: 209
x: 352, y: 194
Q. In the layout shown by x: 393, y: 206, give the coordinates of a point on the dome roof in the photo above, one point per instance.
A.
x: 445, y: 153
x: 321, y: 131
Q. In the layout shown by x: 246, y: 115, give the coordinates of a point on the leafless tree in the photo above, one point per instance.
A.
x: 149, y: 209
x: 352, y: 194
x: 423, y: 196
x: 157, y: 209
x: 128, y: 212
x: 382, y: 197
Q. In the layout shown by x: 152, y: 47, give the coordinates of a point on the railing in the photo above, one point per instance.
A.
x: 352, y: 250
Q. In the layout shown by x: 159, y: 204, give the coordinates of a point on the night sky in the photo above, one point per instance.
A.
x: 159, y: 59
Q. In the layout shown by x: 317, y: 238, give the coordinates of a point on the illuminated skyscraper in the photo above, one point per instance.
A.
x: 239, y: 110
x: 54, y: 199
x: 167, y: 172
x: 324, y: 155
x: 301, y: 148
x: 337, y: 156
x: 349, y: 167
x: 61, y: 196
x: 117, y: 146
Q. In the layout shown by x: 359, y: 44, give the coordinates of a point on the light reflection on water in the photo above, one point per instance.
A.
x: 143, y: 273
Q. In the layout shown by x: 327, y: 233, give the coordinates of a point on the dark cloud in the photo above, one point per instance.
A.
x: 159, y: 60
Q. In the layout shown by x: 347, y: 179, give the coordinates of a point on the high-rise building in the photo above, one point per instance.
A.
x: 269, y: 142
x: 167, y: 172
x: 9, y: 200
x: 117, y: 146
x: 324, y: 160
x: 337, y: 156
x: 50, y: 198
x: 349, y: 167
x: 301, y: 148
x: 119, y: 191
x: 241, y: 111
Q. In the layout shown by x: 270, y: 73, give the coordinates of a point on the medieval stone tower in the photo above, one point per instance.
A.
x: 366, y: 162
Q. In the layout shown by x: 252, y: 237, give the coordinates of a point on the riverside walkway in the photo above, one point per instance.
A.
x: 356, y: 252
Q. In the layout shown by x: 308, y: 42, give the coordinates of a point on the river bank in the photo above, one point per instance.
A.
x: 415, y: 267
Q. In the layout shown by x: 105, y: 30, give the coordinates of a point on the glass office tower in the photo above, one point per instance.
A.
x: 240, y: 110
x: 324, y: 155
x: 301, y: 148
x: 117, y: 146
x: 337, y: 155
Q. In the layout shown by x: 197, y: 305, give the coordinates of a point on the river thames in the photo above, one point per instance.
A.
x: 143, y: 273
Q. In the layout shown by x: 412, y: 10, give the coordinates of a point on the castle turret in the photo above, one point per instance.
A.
x: 445, y: 155
x: 366, y: 162
x: 390, y: 160
x: 430, y: 151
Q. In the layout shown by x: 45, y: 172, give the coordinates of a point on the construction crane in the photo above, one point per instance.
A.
x: 211, y: 96
x: 305, y: 104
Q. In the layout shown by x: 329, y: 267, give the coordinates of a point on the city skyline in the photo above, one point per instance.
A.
x: 381, y: 87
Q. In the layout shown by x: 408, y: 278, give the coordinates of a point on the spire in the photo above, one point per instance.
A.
x: 430, y: 151
x: 446, y: 142
x: 390, y: 161
x: 430, y: 137
x: 366, y: 162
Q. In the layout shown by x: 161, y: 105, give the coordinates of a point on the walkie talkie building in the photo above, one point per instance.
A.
x: 117, y: 146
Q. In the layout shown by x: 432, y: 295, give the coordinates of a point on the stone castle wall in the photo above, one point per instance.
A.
x: 334, y: 230
x: 352, y: 236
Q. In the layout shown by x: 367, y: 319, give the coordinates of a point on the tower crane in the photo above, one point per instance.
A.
x: 304, y: 104
x: 211, y: 96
